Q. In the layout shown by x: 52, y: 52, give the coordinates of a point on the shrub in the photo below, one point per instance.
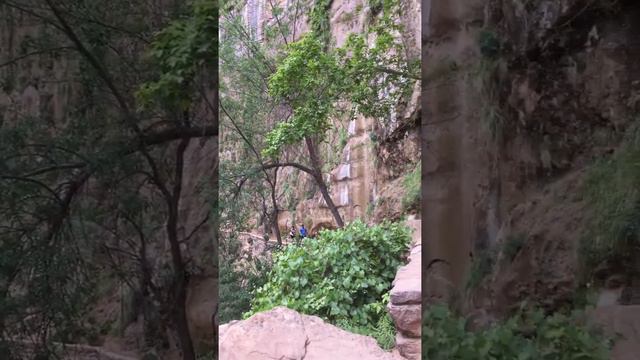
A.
x: 413, y: 193
x: 383, y: 331
x: 237, y: 286
x: 525, y: 336
x: 341, y: 274
x: 234, y: 298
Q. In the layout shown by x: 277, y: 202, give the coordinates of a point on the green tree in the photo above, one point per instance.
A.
x: 290, y: 90
x: 313, y: 78
x: 85, y: 193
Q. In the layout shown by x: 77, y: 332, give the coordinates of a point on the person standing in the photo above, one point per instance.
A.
x: 303, y: 232
x: 292, y: 232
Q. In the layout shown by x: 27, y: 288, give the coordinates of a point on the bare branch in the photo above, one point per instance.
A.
x: 34, y: 53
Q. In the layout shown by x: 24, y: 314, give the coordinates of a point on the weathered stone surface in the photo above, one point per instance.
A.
x: 410, y: 348
x: 343, y: 172
x: 407, y: 318
x: 405, y: 306
x: 282, y: 333
x: 200, y: 307
x: 407, y: 288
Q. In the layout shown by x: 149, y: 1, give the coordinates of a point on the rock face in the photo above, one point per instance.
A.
x: 563, y: 92
x: 365, y: 159
x: 405, y: 306
x: 282, y: 333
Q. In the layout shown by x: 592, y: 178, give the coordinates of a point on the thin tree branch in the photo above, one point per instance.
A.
x: 54, y: 168
x: 33, y: 53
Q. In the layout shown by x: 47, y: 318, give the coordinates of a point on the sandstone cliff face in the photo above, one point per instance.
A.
x: 559, y: 108
x: 509, y: 139
x: 365, y: 175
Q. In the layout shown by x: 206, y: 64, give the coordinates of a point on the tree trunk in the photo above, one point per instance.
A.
x: 274, y: 219
x: 180, y: 281
x: 181, y: 322
x: 315, y: 163
x: 179, y: 314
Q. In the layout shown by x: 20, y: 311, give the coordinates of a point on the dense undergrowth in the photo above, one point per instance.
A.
x: 528, y: 335
x: 342, y: 276
x: 237, y: 286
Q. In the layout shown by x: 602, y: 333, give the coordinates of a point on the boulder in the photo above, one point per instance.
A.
x: 407, y: 288
x: 407, y: 318
x: 283, y: 333
x: 410, y: 348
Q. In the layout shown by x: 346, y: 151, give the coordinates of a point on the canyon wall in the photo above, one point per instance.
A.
x: 520, y: 100
x: 365, y: 160
x: 50, y: 86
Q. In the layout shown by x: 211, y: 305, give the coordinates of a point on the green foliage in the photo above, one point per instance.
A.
x: 309, y: 79
x: 371, y: 207
x: 179, y: 51
x: 526, y: 336
x: 482, y: 265
x: 319, y: 20
x: 312, y: 78
x: 412, y: 189
x: 56, y: 241
x: 237, y: 286
x: 612, y: 193
x: 235, y: 299
x: 383, y: 331
x: 376, y: 6
x: 340, y: 274
x: 344, y: 138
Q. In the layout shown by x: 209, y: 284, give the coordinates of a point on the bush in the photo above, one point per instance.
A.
x: 235, y: 299
x: 412, y: 187
x: 340, y: 275
x: 383, y: 331
x: 526, y: 336
x: 237, y: 287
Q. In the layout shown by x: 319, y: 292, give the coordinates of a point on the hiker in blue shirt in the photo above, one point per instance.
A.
x: 303, y: 232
